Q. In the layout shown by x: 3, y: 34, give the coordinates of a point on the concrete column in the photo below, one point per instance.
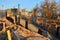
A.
x: 18, y: 20
x: 6, y: 13
x: 4, y: 28
x: 26, y: 24
x: 9, y: 35
x: 15, y: 19
x: 44, y: 25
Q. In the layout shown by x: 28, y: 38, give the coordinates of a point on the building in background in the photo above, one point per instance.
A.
x: 2, y: 13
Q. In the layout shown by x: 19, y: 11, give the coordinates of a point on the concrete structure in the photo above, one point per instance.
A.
x: 13, y: 13
x: 18, y: 31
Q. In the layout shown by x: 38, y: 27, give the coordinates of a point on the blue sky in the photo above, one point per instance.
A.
x: 29, y: 4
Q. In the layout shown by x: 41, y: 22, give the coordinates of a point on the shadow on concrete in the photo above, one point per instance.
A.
x: 10, y: 19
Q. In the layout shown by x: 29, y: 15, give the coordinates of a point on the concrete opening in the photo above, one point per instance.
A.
x: 10, y: 19
x: 40, y: 31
